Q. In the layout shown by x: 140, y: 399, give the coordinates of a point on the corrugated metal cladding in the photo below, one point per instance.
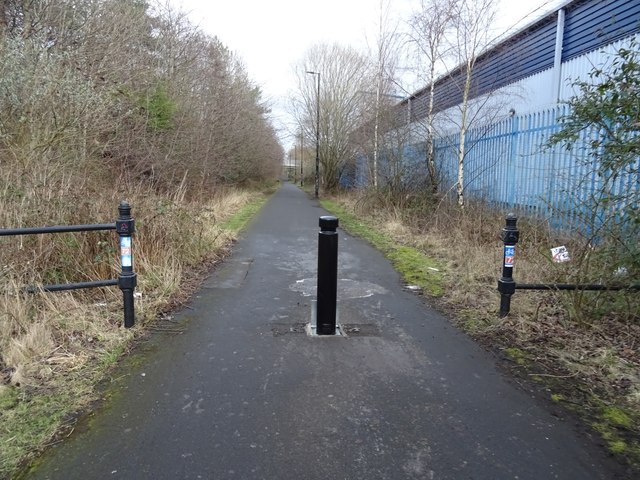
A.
x: 508, y: 167
x: 527, y: 54
x: 591, y: 25
x: 579, y: 67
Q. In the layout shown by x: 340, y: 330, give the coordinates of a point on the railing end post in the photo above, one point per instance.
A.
x: 506, y: 285
x: 127, y: 280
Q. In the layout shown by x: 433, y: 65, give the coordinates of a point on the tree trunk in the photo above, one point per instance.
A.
x: 431, y: 161
x: 463, y: 134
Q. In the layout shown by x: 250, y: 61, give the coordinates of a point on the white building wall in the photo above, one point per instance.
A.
x: 579, y: 67
x: 531, y: 94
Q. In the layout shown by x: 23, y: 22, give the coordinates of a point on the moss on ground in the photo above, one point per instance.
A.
x: 240, y: 219
x: 614, y: 424
x: 557, y: 397
x: 414, y: 265
x: 617, y: 416
x: 30, y: 422
x: 30, y: 419
x: 517, y: 355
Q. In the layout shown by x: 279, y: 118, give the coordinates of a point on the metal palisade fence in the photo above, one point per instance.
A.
x: 508, y: 166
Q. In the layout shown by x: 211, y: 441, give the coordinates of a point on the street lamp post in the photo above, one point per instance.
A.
x: 317, y: 132
x: 301, y: 157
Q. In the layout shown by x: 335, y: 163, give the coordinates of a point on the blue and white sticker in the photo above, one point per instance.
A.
x: 509, y: 255
x: 125, y: 251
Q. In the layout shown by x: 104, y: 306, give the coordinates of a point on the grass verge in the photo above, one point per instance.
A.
x: 585, y: 359
x: 415, y: 266
x: 56, y: 348
x: 239, y: 220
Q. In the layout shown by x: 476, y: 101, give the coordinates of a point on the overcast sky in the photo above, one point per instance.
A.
x: 272, y: 35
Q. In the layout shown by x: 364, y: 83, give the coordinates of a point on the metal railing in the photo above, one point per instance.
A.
x: 507, y: 285
x: 127, y: 279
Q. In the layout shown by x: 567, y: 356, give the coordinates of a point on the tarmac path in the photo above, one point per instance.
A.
x: 244, y: 393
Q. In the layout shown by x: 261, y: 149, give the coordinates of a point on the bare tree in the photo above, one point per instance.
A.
x: 386, y: 58
x: 472, y: 20
x: 342, y: 72
x: 430, y: 26
x: 127, y: 86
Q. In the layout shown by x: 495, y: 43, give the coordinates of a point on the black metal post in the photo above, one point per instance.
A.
x: 506, y: 285
x: 301, y: 158
x: 127, y: 280
x: 327, y: 276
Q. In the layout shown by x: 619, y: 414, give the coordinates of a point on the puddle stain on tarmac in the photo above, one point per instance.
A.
x: 347, y: 288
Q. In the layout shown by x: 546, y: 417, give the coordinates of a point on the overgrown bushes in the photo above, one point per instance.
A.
x: 602, y: 130
x: 102, y: 101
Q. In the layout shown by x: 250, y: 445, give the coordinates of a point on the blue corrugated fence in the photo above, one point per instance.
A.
x: 507, y: 165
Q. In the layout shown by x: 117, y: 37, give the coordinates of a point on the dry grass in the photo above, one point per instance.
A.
x: 54, y: 347
x: 582, y: 346
x: 172, y: 236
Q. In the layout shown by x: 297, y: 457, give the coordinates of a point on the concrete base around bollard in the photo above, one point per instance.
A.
x: 311, y: 327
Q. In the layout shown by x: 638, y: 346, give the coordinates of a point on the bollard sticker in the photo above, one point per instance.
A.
x: 509, y: 255
x: 125, y: 251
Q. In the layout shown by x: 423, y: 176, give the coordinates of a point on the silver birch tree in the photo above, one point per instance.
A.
x: 472, y: 21
x: 429, y: 28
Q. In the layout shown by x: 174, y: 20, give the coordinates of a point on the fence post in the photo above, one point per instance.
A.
x: 327, y: 276
x: 506, y: 285
x: 127, y: 280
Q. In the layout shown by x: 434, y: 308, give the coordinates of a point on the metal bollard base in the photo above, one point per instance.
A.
x: 311, y: 328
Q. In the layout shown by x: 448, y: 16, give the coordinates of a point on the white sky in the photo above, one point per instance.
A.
x: 270, y: 36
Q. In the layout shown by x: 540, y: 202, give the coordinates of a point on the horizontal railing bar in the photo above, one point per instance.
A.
x: 5, y: 232
x: 72, y: 286
x: 566, y: 286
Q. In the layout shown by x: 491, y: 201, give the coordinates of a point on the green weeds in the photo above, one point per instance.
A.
x: 414, y: 265
x: 58, y: 347
x: 581, y: 346
x: 240, y: 219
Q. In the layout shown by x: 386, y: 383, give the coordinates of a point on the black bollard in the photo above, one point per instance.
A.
x: 327, y: 276
x: 125, y: 227
x: 506, y: 285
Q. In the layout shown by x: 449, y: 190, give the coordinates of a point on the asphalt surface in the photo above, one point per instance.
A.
x: 244, y: 393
